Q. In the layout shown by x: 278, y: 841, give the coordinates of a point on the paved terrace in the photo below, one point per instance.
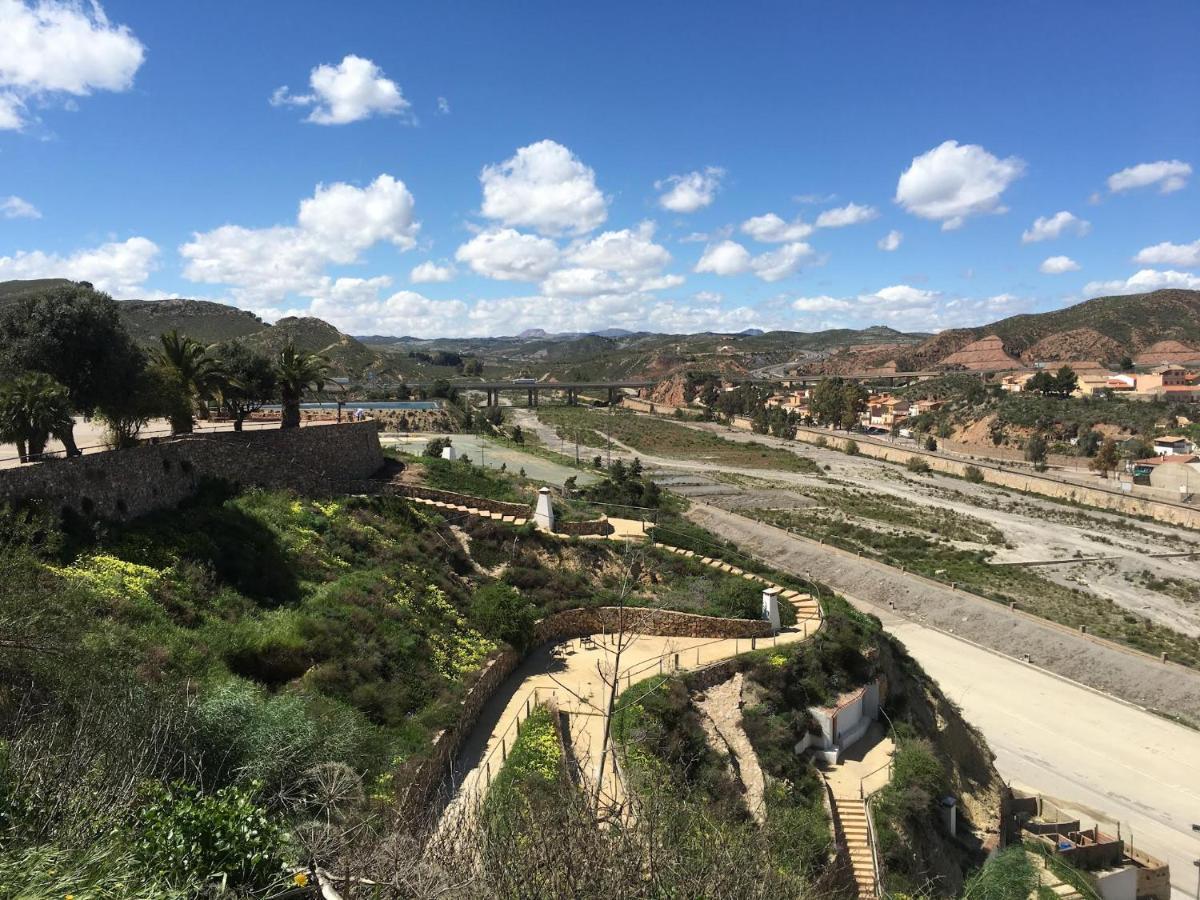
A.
x: 575, y: 676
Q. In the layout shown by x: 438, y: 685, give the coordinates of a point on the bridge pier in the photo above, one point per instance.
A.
x: 612, y: 396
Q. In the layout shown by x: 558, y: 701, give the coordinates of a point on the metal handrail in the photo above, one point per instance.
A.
x: 862, y: 781
x: 874, y: 842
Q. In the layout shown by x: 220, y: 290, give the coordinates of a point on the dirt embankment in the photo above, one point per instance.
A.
x: 1172, y: 690
x: 971, y: 776
x: 672, y: 392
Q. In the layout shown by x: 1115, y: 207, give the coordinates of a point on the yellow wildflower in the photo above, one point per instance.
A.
x: 300, y: 878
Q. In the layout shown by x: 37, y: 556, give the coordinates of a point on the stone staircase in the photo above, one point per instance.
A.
x: 1047, y: 878
x: 806, y: 605
x: 851, y: 814
x: 470, y: 511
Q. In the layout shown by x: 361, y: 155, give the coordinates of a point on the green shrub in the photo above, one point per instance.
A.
x: 184, y: 835
x: 918, y: 466
x: 503, y: 614
x: 1009, y: 874
x: 973, y: 474
x: 248, y: 736
x: 851, y: 448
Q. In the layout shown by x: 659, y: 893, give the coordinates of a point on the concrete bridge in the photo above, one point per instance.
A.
x: 534, y: 389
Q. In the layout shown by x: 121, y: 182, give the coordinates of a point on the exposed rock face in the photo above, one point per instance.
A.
x: 1078, y: 344
x: 1167, y: 352
x: 987, y: 353
x: 672, y: 392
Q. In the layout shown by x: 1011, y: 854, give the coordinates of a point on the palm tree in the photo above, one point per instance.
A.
x: 196, y: 375
x: 32, y: 408
x: 298, y: 372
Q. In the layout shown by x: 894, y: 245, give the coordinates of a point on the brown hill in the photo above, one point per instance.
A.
x: 986, y: 353
x: 1166, y: 352
x: 1131, y: 322
x: 1077, y: 344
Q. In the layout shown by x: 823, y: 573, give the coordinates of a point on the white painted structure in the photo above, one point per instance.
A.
x: 842, y: 725
x: 449, y: 453
x: 543, y: 513
x: 770, y: 607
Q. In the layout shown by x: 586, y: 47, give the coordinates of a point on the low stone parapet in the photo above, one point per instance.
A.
x: 519, y: 510
x: 422, y: 778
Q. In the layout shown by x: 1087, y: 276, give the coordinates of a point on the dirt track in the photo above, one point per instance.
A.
x: 1133, y: 677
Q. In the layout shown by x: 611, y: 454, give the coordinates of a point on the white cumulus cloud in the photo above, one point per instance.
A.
x: 356, y: 306
x: 891, y: 241
x: 1058, y: 265
x: 821, y: 304
x: 626, y: 251
x: 1186, y: 256
x: 1144, y: 280
x: 16, y: 208
x: 773, y: 229
x: 1169, y: 175
x: 725, y: 258
x: 334, y: 226
x: 353, y: 90
x: 690, y: 192
x: 731, y: 258
x: 52, y: 47
x: 953, y: 182
x: 118, y: 267
x: 545, y: 187
x: 779, y: 264
x: 850, y: 214
x: 1049, y: 228
x: 506, y: 254
x: 430, y: 272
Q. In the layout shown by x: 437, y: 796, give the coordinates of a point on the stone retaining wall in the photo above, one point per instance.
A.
x: 574, y: 623
x: 420, y: 780
x: 122, y: 484
x: 599, y: 526
x: 519, y: 510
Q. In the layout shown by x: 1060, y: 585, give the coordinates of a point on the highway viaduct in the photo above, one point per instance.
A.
x: 573, y: 389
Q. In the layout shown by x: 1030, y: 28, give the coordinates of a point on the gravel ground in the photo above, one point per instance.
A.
x: 1036, y: 528
x: 1165, y: 688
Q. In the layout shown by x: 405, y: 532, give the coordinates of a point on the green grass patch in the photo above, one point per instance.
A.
x: 660, y: 437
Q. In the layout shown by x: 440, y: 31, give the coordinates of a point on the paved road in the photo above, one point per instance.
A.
x: 1099, y: 758
x: 493, y: 455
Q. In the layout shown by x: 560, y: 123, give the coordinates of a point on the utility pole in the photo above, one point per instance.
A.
x: 611, y: 410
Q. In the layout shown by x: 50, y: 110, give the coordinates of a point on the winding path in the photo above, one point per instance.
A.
x: 573, y: 675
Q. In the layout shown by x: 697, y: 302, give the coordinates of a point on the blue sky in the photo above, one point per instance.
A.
x: 469, y: 168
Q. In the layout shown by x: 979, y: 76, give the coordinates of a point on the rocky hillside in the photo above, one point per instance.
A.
x: 1105, y: 328
x: 1152, y: 328
x: 213, y: 323
x: 207, y: 322
x: 347, y: 355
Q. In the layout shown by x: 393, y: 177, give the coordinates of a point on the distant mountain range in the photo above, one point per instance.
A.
x: 1152, y: 327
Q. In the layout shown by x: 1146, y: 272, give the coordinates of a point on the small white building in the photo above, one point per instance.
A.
x: 1172, y: 445
x: 842, y: 724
